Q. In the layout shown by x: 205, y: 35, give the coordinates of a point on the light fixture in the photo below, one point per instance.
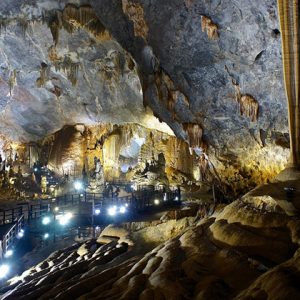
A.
x: 176, y: 198
x: 8, y: 253
x: 4, y: 270
x: 35, y: 169
x: 122, y: 210
x: 20, y: 234
x: 97, y: 211
x: 78, y: 185
x: 56, y: 208
x: 46, y: 236
x: 69, y: 215
x: 112, y: 210
x: 46, y: 220
x: 63, y: 221
x: 65, y: 218
x: 156, y: 202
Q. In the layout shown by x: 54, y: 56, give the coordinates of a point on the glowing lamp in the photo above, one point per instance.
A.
x: 46, y: 220
x: 9, y: 253
x: 122, y: 210
x: 78, y: 185
x: 63, y: 221
x: 112, y: 210
x: 4, y: 270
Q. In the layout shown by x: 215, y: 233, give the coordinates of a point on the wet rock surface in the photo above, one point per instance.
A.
x: 244, y: 250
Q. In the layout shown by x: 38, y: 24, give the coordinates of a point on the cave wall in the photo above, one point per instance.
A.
x: 119, y: 147
x: 229, y: 83
x: 60, y: 66
x: 208, y: 66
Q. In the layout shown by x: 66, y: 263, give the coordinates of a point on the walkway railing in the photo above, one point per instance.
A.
x: 34, y: 208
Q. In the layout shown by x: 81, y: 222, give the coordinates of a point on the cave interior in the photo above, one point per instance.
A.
x: 149, y: 149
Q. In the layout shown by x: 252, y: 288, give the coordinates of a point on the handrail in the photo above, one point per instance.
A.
x: 35, y: 208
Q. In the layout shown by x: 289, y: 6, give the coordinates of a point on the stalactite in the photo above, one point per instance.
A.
x: 3, y: 25
x: 248, y: 104
x: 209, y: 27
x: 12, y: 81
x: 167, y: 93
x: 249, y: 107
x: 83, y: 16
x: 194, y: 132
x: 69, y: 67
x: 40, y: 82
x: 55, y: 24
x: 23, y: 23
x: 135, y: 13
x: 52, y: 54
x: 18, y: 22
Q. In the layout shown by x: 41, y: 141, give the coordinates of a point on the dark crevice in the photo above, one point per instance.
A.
x: 259, y: 55
x: 275, y: 33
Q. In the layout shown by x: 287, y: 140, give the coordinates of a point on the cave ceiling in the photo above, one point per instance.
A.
x: 216, y: 64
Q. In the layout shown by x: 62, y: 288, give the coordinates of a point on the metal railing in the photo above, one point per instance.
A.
x: 11, y: 235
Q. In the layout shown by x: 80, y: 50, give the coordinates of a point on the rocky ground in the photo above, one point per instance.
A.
x: 248, y: 249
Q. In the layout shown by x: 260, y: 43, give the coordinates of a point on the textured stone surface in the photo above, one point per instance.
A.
x: 186, y: 76
x: 247, y: 53
x: 38, y: 97
x: 216, y: 258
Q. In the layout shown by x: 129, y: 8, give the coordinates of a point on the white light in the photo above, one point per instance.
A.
x: 156, y: 202
x: 97, y: 211
x: 63, y: 221
x: 176, y: 198
x: 112, y: 210
x: 4, y: 269
x: 69, y: 215
x: 35, y: 169
x: 134, y: 187
x: 56, y: 208
x: 78, y: 185
x: 46, y: 236
x: 126, y: 204
x: 9, y: 253
x: 122, y: 210
x: 165, y: 197
x: 46, y: 221
x: 20, y: 234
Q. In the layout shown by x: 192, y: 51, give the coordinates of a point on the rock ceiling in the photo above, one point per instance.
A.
x: 49, y: 79
x: 213, y: 64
